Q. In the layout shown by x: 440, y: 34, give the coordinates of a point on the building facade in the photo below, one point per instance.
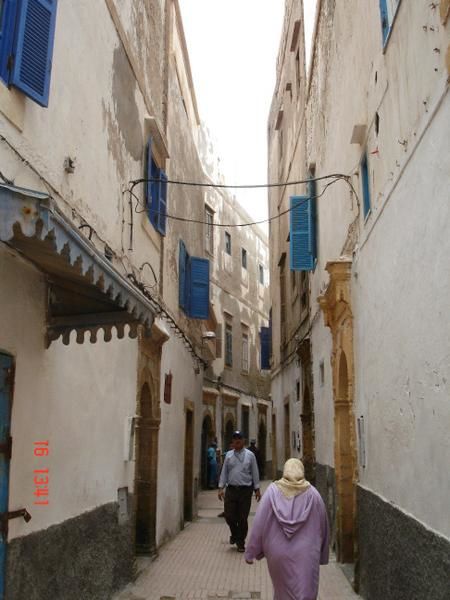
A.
x: 236, y: 391
x: 369, y: 238
x: 105, y: 292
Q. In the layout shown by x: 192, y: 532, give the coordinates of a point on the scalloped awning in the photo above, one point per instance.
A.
x: 86, y: 292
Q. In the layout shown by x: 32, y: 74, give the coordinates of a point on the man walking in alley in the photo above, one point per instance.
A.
x: 240, y: 477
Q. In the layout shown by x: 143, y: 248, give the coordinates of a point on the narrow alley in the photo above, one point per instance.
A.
x: 199, y: 564
x: 224, y: 258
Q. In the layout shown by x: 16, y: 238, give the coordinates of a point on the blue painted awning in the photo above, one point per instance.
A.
x: 86, y: 292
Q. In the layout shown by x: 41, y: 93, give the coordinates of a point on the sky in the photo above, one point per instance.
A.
x: 233, y: 47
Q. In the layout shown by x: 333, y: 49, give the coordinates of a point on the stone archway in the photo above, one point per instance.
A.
x: 147, y: 435
x: 148, y: 421
x: 336, y: 305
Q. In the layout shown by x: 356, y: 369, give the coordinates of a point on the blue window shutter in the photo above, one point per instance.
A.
x: 182, y: 275
x: 155, y: 173
x: 7, y: 27
x: 265, y: 347
x: 199, y: 288
x: 33, y: 49
x: 384, y: 20
x: 162, y: 203
x: 301, y: 227
x: 148, y: 174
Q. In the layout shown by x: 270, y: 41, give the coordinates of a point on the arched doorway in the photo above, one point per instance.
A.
x: 207, y: 437
x: 147, y: 432
x: 308, y: 454
x: 262, y: 441
x: 344, y: 467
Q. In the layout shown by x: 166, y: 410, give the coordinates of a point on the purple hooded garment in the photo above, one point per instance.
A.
x: 293, y: 535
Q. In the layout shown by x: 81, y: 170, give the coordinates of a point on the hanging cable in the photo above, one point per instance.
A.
x: 135, y: 182
x: 249, y: 224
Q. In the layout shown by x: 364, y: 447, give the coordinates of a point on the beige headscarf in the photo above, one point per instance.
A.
x: 293, y: 481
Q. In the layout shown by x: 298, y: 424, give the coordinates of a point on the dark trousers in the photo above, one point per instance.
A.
x: 237, y: 507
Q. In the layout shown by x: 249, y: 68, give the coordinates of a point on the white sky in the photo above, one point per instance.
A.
x: 233, y: 47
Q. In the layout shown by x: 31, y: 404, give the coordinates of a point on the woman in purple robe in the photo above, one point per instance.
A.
x: 291, y: 531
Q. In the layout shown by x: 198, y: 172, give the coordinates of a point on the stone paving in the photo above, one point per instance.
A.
x: 199, y: 564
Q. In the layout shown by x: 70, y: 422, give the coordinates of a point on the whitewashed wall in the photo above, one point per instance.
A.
x: 76, y: 397
x: 401, y: 287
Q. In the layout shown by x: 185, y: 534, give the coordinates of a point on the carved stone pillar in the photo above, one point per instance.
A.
x: 336, y: 306
x: 148, y: 410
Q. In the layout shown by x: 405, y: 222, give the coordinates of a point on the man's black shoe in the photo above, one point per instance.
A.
x: 232, y: 540
x: 240, y: 548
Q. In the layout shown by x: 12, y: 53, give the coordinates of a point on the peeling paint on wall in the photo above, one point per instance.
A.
x: 125, y: 106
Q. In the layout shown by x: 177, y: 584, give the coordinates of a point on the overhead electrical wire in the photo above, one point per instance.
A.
x: 334, y: 178
x: 161, y: 310
x: 135, y: 182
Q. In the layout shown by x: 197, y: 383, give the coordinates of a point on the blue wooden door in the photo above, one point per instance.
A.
x: 6, y: 375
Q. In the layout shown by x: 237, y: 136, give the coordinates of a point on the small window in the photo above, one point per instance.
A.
x: 261, y: 274
x: 227, y: 243
x: 297, y: 390
x: 244, y: 258
x: 245, y: 352
x: 228, y: 345
x: 27, y: 32
x: 209, y: 230
x: 322, y: 373
x: 365, y: 185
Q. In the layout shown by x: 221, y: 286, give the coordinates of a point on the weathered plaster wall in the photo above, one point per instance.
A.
x: 402, y: 315
x: 76, y: 397
x: 109, y: 74
x: 400, y: 269
x: 98, y: 107
x: 399, y: 410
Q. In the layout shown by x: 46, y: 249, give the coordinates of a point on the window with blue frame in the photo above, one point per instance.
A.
x: 155, y: 191
x: 27, y: 31
x: 365, y: 185
x: 388, y: 9
x: 193, y: 290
